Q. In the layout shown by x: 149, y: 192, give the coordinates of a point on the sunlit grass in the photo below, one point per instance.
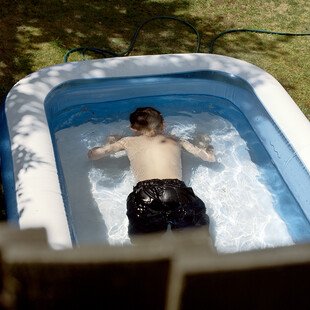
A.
x: 37, y: 34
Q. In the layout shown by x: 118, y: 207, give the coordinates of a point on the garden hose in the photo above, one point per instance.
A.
x: 108, y: 53
x: 212, y: 41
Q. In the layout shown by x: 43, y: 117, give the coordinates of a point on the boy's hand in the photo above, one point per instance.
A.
x: 114, y: 145
x: 91, y: 153
x: 203, y: 141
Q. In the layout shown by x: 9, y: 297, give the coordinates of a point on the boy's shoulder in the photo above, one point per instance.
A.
x: 141, y: 138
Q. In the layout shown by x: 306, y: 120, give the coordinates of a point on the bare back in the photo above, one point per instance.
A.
x: 153, y: 157
x: 156, y: 157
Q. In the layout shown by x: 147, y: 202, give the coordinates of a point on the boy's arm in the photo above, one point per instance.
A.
x: 99, y: 152
x: 206, y: 154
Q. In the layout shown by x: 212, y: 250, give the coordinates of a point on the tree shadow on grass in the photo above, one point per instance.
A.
x: 64, y: 24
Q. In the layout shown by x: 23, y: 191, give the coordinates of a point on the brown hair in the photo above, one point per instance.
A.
x: 146, y: 120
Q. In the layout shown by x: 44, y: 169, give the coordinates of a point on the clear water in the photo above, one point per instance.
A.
x: 249, y: 204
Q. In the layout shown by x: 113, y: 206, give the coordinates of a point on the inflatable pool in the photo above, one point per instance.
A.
x: 219, y: 90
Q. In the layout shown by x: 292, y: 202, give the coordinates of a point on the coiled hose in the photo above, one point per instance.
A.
x: 109, y: 53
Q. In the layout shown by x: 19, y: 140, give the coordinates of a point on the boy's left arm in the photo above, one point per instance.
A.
x: 109, y: 148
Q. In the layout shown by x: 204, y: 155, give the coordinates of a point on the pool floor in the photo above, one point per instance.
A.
x: 249, y: 204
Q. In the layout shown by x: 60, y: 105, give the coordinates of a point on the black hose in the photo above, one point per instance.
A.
x: 212, y: 41
x: 108, y: 53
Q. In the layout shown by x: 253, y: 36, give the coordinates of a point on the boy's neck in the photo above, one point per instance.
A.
x: 148, y: 133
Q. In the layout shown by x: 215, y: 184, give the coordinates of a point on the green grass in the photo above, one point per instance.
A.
x: 36, y: 34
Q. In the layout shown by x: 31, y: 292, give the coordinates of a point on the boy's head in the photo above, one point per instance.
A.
x: 147, y: 120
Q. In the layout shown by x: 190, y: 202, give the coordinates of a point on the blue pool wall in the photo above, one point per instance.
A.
x: 234, y: 90
x: 6, y: 166
x: 68, y: 96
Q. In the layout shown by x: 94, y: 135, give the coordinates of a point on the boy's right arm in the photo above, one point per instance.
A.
x: 109, y: 148
x: 205, y: 154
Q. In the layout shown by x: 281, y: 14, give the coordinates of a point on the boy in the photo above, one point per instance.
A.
x: 160, y: 198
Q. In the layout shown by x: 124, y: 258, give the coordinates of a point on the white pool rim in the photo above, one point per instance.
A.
x: 38, y: 190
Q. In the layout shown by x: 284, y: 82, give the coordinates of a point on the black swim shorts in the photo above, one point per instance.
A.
x: 154, y: 204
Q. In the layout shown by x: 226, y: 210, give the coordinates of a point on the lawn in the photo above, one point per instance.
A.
x: 35, y: 34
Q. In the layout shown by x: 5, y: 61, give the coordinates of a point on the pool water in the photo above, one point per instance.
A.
x: 248, y: 202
